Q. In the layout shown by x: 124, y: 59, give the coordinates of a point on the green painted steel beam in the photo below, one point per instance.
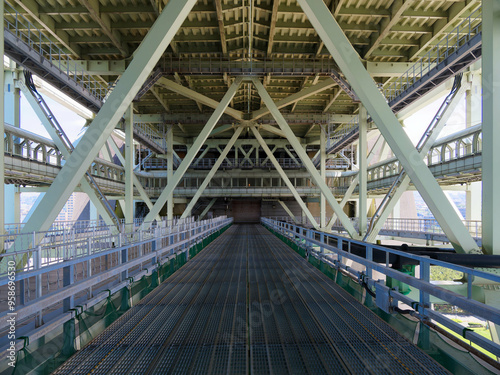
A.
x: 362, y: 164
x: 129, y: 165
x: 348, y: 60
x: 405, y: 183
x: 193, y: 151
x: 209, y: 206
x: 145, y: 59
x: 284, y: 176
x: 491, y: 129
x: 325, y: 190
x: 215, y: 168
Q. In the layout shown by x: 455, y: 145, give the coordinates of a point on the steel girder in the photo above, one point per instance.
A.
x: 145, y: 59
x: 491, y: 130
x: 405, y: 183
x: 348, y: 60
x: 200, y: 140
x: 283, y: 175
x: 346, y: 222
x: 212, y: 172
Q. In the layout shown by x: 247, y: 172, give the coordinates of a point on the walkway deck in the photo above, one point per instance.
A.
x: 249, y: 304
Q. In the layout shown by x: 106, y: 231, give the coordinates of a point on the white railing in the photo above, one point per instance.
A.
x: 401, y: 225
x: 336, y: 134
x: 455, y: 39
x: 100, y: 249
x: 368, y: 258
x: 24, y: 30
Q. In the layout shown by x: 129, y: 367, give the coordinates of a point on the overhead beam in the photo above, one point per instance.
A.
x: 146, y: 58
x: 302, y: 94
x: 306, y: 161
x: 191, y: 94
x: 272, y: 129
x: 272, y: 27
x: 398, y: 7
x: 160, y: 98
x: 376, y: 105
x: 454, y: 12
x: 193, y: 151
x: 304, y: 82
x: 33, y: 9
x: 387, y: 69
x: 208, y: 178
x: 221, y: 129
x: 284, y: 177
x: 222, y: 30
x: 105, y: 22
x: 332, y: 100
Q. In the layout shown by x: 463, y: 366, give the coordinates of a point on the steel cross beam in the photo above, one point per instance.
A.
x: 193, y: 151
x: 287, y: 210
x: 146, y: 57
x: 273, y: 130
x: 61, y: 146
x: 215, y: 168
x: 348, y: 60
x: 137, y: 183
x: 209, y: 206
x: 302, y: 94
x: 306, y: 161
x: 405, y: 183
x: 283, y: 175
x: 196, y: 96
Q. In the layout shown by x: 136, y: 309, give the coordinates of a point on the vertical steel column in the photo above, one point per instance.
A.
x: 2, y: 129
x: 129, y: 165
x: 170, y: 171
x: 362, y: 163
x: 491, y: 128
x: 360, y: 80
x: 68, y: 279
x: 137, y: 183
x: 145, y: 58
x: 12, y: 101
x: 322, y: 199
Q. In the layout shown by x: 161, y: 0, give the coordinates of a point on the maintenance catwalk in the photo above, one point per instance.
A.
x: 249, y: 304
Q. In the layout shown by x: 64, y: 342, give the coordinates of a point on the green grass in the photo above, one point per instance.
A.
x: 483, y: 331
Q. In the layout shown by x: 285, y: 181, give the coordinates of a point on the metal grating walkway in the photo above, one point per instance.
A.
x: 249, y: 304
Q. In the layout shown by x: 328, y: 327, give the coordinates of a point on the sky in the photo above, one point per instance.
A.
x: 70, y: 121
x: 416, y: 124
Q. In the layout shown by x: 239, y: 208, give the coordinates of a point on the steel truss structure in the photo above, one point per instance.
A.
x: 199, y: 103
